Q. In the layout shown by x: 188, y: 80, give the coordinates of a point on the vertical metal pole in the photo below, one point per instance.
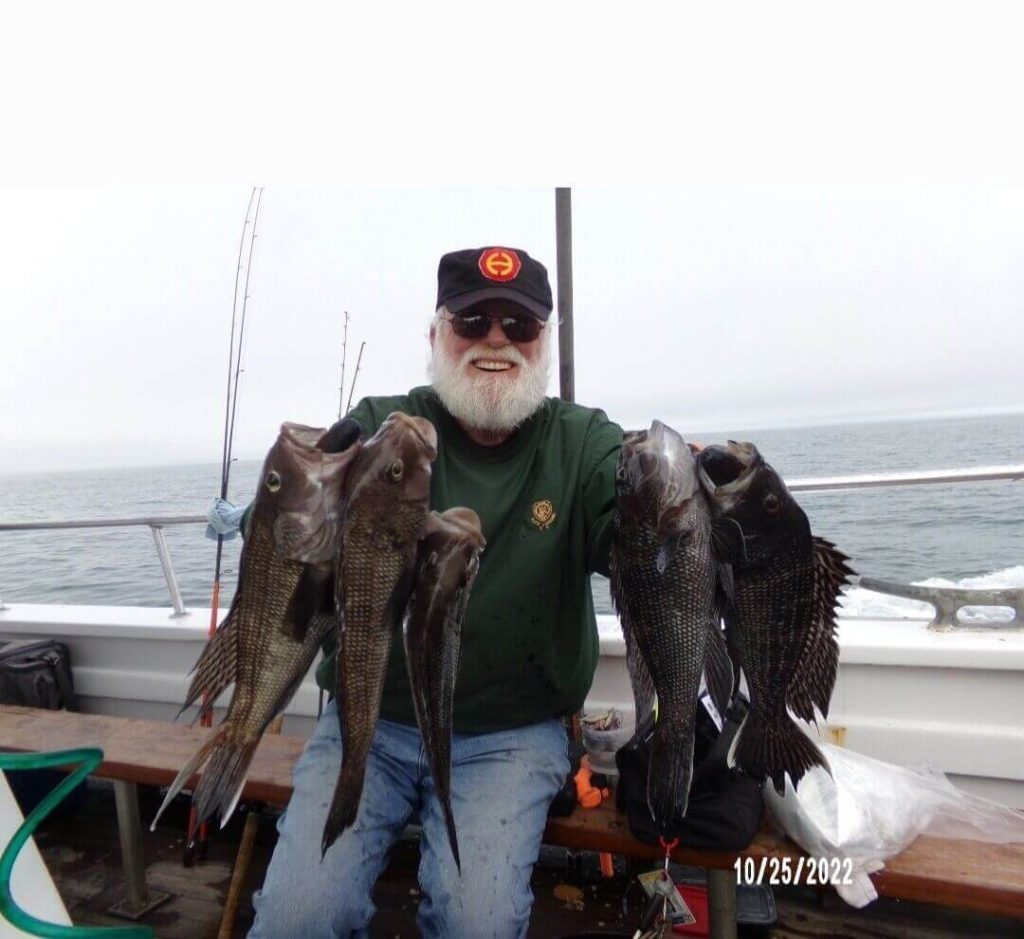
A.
x: 169, y: 576
x: 138, y: 900
x: 722, y: 904
x: 563, y: 250
x: 127, y: 801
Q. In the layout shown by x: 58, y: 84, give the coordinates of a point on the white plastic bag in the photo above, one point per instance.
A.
x: 869, y: 810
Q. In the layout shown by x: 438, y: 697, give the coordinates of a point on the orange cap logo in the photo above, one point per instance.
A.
x: 500, y: 264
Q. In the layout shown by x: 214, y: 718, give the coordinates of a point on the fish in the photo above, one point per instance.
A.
x: 281, y: 611
x: 666, y: 589
x: 386, y: 504
x: 781, y: 624
x: 449, y: 558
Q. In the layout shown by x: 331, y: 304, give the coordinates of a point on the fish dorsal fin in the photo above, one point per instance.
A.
x: 639, y: 676
x: 815, y: 671
x: 216, y: 668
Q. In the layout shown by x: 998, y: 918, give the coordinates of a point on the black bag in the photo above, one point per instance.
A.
x: 725, y: 805
x: 38, y: 674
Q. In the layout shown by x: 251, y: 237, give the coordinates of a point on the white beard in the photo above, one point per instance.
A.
x: 491, y: 402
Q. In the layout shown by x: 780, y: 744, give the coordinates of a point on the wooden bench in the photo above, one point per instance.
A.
x: 966, y: 875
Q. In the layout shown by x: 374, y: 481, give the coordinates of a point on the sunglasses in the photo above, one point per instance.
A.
x: 478, y: 325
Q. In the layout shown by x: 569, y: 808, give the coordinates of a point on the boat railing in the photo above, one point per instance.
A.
x: 947, y: 601
x: 155, y: 523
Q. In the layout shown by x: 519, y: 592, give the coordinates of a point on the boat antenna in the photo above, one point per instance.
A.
x: 344, y: 346
x: 348, y: 407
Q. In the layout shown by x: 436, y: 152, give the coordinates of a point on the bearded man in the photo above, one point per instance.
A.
x: 540, y: 473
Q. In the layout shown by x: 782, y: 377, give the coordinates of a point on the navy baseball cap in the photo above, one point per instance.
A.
x: 496, y: 273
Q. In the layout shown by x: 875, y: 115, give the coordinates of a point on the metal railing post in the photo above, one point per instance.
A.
x: 169, y: 575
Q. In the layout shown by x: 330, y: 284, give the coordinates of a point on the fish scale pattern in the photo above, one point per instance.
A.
x: 669, y: 615
x: 777, y: 612
x: 449, y: 559
x: 275, y: 624
x: 385, y: 511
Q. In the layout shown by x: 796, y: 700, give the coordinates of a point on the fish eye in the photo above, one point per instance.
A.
x: 273, y: 481
x: 395, y: 470
x: 771, y: 502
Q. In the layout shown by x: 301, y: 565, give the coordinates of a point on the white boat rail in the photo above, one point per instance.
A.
x: 156, y: 523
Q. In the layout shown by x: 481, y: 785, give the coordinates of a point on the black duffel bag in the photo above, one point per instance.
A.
x: 725, y: 805
x: 37, y: 673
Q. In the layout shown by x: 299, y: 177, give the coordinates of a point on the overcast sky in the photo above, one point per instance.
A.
x: 846, y: 244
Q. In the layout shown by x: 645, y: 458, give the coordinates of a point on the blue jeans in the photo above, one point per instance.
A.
x: 502, y: 784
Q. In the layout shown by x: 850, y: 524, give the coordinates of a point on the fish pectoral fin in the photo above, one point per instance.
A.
x: 307, y: 599
x: 727, y: 541
x: 667, y: 550
x: 725, y: 588
x: 718, y: 672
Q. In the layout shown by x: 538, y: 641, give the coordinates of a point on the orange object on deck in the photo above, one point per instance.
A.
x: 587, y: 794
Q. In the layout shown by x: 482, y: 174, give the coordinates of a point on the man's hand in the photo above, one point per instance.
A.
x: 340, y: 436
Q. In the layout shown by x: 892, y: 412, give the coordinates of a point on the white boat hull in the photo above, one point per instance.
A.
x: 904, y: 694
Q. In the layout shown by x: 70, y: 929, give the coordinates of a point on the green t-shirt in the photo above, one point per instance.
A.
x: 545, y: 499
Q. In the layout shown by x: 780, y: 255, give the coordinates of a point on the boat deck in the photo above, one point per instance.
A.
x: 81, y: 849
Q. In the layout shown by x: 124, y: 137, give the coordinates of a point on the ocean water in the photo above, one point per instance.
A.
x: 969, y: 534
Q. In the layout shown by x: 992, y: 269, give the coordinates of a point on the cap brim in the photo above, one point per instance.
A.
x: 466, y: 300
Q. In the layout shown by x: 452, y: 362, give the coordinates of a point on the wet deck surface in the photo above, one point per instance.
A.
x: 81, y: 850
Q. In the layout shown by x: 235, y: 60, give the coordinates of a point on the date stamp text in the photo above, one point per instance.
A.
x: 784, y: 871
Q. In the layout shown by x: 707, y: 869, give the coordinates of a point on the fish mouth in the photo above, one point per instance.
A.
x: 466, y: 522
x: 302, y: 437
x: 423, y: 432
x: 307, y: 522
x: 657, y: 470
x: 727, y: 471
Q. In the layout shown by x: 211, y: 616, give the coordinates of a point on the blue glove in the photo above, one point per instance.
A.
x: 224, y: 520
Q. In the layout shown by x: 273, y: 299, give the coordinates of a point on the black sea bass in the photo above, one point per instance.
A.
x: 448, y: 561
x: 281, y: 611
x: 782, y: 625
x: 664, y: 586
x: 386, y: 507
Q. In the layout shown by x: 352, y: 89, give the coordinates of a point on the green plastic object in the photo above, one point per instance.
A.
x: 89, y: 758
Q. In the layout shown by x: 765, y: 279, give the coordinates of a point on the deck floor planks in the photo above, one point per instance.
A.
x: 81, y: 850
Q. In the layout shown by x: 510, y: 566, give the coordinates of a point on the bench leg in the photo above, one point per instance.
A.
x: 138, y: 900
x: 722, y: 904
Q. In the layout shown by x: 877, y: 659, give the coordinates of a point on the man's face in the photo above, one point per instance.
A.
x: 492, y: 383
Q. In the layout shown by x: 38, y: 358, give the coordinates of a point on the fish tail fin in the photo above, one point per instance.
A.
x: 222, y: 780
x: 670, y: 773
x: 439, y: 759
x: 768, y: 749
x: 344, y: 805
x: 185, y: 773
x: 453, y: 838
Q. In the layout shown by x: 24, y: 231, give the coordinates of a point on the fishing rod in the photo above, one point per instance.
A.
x: 241, y: 336
x: 359, y: 359
x: 230, y: 410
x: 344, y: 350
